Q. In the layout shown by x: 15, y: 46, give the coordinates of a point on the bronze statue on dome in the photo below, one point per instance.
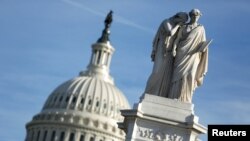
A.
x: 106, y: 32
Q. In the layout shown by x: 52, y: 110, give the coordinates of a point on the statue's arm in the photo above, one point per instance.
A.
x: 204, y: 45
x: 176, y: 41
x: 170, y: 29
x: 174, y: 30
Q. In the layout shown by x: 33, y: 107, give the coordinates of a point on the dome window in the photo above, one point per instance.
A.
x: 38, y: 135
x: 90, y: 101
x: 67, y: 99
x: 45, y: 135
x: 60, y: 99
x: 72, y: 137
x: 74, y: 100
x: 92, y: 139
x: 53, y: 136
x: 82, y: 101
x: 97, y: 104
x: 82, y: 138
x: 62, y: 136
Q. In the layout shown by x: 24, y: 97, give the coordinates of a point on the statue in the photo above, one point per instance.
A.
x: 105, y: 33
x: 190, y: 50
x: 160, y: 78
x: 108, y: 19
x: 185, y: 61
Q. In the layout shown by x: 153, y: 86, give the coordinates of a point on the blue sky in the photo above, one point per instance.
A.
x: 44, y: 43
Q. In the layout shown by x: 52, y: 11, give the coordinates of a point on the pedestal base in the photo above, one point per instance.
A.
x: 157, y: 118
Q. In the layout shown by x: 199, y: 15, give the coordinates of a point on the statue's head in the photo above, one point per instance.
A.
x: 194, y: 15
x: 181, y: 17
x: 195, y: 12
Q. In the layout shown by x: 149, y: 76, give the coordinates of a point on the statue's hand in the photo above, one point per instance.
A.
x: 174, y: 52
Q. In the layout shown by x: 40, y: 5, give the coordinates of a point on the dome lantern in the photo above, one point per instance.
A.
x: 101, y: 56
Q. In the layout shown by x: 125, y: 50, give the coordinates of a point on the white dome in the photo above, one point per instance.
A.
x: 88, y: 95
x: 85, y: 106
x: 88, y: 104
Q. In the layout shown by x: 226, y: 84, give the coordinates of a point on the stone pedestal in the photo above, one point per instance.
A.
x: 157, y: 118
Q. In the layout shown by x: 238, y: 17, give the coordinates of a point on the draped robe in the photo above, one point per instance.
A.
x: 160, y: 78
x: 190, y: 64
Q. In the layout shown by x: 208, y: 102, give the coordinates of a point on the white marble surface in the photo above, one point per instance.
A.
x: 157, y: 118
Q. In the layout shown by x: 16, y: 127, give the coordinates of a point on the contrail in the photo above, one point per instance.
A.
x: 79, y: 5
x: 132, y: 24
x: 119, y: 19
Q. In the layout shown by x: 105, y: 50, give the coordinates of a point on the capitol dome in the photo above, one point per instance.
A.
x: 89, y: 96
x: 85, y: 108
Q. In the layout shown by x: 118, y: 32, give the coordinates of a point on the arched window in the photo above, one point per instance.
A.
x: 81, y: 138
x: 92, y: 139
x: 38, y: 135
x: 60, y: 99
x: 45, y: 135
x: 82, y: 101
x: 67, y: 99
x: 53, y: 136
x: 74, y: 100
x: 90, y: 101
x: 62, y: 136
x: 97, y: 104
x: 72, y: 137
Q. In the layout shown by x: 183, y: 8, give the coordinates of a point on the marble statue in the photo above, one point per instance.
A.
x: 180, y: 59
x: 165, y: 111
x: 160, y: 78
x: 190, y: 50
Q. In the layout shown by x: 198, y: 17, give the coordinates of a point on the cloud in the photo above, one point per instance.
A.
x: 119, y: 19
